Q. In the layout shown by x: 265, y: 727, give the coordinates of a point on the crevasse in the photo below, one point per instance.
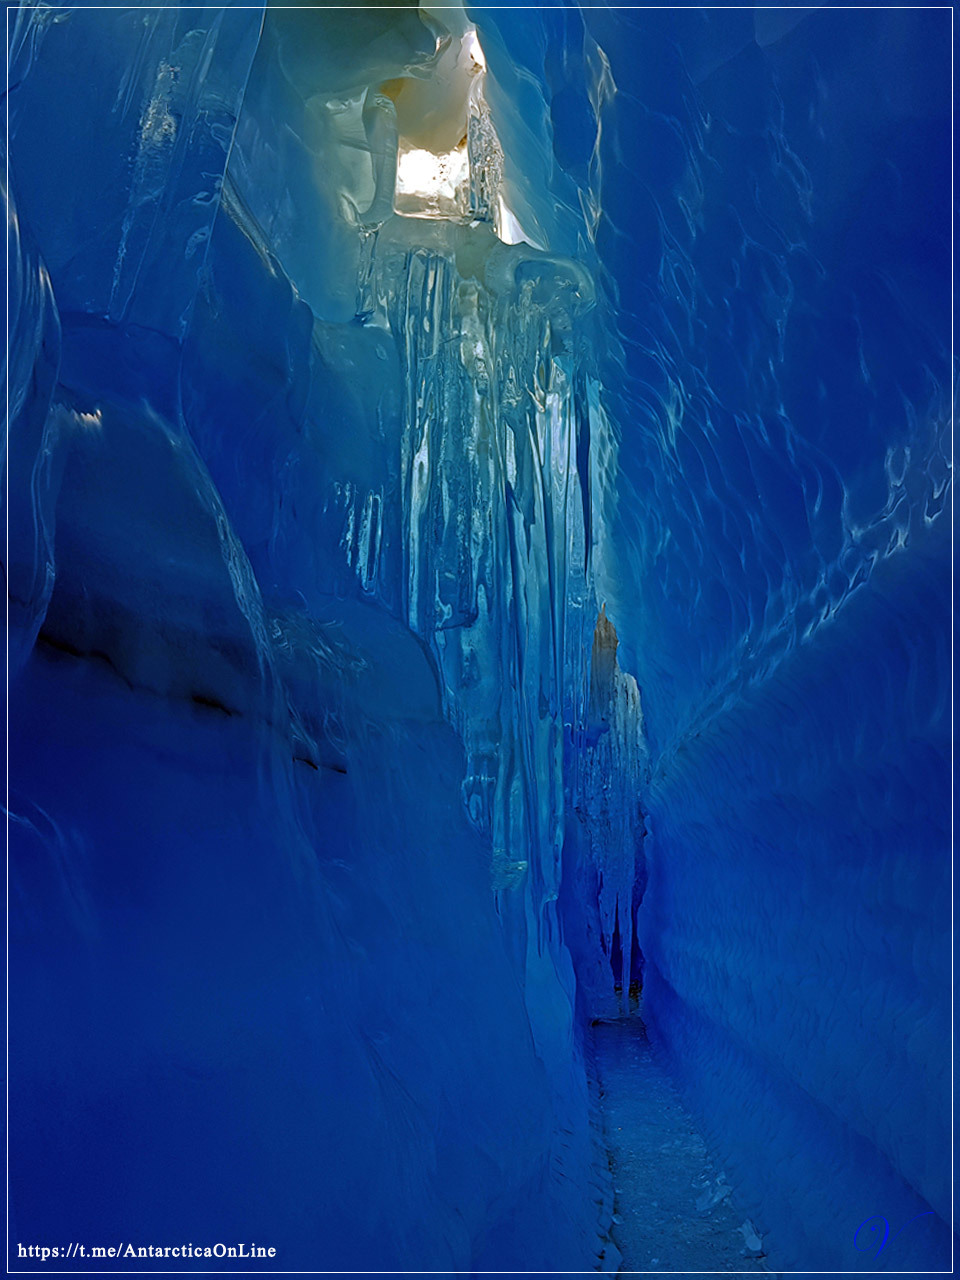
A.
x: 479, y: 505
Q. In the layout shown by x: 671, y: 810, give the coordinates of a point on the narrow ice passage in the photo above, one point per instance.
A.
x: 673, y: 1209
x: 479, y: 512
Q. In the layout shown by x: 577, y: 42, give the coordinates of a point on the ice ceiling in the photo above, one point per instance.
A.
x: 479, y: 539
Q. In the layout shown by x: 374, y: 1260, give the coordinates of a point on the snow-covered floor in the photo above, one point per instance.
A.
x: 673, y: 1208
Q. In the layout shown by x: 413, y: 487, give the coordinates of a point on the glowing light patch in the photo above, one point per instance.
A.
x: 471, y: 44
x: 509, y: 229
x: 430, y: 175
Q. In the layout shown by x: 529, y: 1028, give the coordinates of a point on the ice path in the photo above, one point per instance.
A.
x: 673, y: 1210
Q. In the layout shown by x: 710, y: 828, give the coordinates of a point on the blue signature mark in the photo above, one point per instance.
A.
x: 874, y: 1224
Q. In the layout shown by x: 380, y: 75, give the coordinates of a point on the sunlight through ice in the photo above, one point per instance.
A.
x: 425, y: 173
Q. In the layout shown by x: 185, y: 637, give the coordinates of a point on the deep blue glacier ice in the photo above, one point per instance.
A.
x: 479, y: 553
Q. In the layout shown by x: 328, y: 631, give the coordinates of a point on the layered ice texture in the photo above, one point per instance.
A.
x: 479, y: 541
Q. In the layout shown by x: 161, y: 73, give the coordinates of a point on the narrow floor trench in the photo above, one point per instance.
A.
x: 673, y: 1208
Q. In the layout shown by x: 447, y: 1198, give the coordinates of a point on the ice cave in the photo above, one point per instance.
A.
x: 478, y: 549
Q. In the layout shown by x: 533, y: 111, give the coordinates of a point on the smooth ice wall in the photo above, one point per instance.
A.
x: 776, y: 219
x: 274, y: 975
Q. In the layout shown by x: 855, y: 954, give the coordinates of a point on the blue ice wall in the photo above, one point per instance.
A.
x: 776, y: 220
x: 299, y: 556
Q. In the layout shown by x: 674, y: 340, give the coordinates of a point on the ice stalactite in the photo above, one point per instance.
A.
x: 493, y: 526
x: 606, y: 871
x: 485, y: 541
x: 492, y: 519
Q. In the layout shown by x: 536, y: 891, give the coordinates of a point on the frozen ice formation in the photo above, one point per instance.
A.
x: 478, y: 545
